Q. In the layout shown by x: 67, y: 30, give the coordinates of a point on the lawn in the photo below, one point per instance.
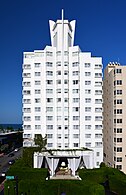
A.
x: 33, y: 182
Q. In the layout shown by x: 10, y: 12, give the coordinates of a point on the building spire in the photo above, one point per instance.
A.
x: 62, y: 14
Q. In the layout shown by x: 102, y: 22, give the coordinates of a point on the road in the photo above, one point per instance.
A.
x: 4, y: 166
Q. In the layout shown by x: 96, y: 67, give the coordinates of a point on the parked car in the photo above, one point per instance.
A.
x: 11, y: 162
x: 16, y: 149
x: 11, y: 154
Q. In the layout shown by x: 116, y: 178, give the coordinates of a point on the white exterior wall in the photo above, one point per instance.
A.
x: 67, y: 59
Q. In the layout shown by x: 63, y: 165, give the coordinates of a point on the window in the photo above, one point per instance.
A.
x: 87, y: 82
x: 49, y: 118
x: 75, y: 73
x: 119, y: 101
x: 65, y: 99
x: 27, y: 66
x: 59, y: 127
x: 87, y: 73
x: 98, y: 127
x: 87, y: 100
x: 75, y: 100
x: 98, y: 83
x: 119, y: 92
x: 37, y: 118
x: 48, y: 53
x: 87, y: 91
x: 59, y: 145
x: 75, y: 53
x: 37, y: 109
x: 37, y: 126
x: 88, y: 144
x: 58, y: 118
x: 49, y: 145
x: 119, y: 120
x: 37, y: 91
x: 37, y: 65
x: 76, y: 145
x: 98, y: 109
x: 27, y: 127
x: 26, y: 84
x: 98, y: 101
x: 37, y: 100
x: 27, y: 118
x: 118, y: 71
x: 66, y: 90
x: 49, y: 135
x: 65, y: 81
x: 119, y: 149
x: 75, y: 90
x: 119, y: 139
x: 98, y: 144
x: 87, y: 126
x: 58, y: 53
x: 87, y: 118
x: 98, y: 75
x: 49, y: 126
x: 65, y: 72
x: 76, y: 109
x: 28, y: 110
x: 49, y: 109
x: 59, y: 72
x: 27, y: 101
x: 37, y: 82
x: 49, y: 64
x: 98, y: 66
x: 49, y: 73
x: 58, y: 81
x: 87, y: 109
x: 98, y: 92
x: 74, y: 64
x: 59, y: 136
x: 119, y: 167
x: 58, y: 99
x: 66, y: 136
x: 75, y: 126
x: 98, y: 135
x: 75, y: 82
x: 27, y: 92
x: 27, y: 75
x: 87, y: 65
x: 37, y: 73
x: 119, y: 159
x: 58, y: 108
x: 98, y: 118
x: 75, y: 136
x: 66, y: 127
x: 49, y: 82
x: 49, y: 91
x: 118, y: 111
x: 75, y: 118
x: 119, y: 82
x: 49, y: 100
x: 119, y: 130
x: 87, y: 135
x: 58, y: 90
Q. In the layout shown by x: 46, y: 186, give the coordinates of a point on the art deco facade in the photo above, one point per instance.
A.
x: 114, y: 125
x: 62, y: 94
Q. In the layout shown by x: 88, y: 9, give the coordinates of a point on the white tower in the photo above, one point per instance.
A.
x: 62, y: 93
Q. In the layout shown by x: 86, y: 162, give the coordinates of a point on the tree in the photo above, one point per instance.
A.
x: 40, y: 141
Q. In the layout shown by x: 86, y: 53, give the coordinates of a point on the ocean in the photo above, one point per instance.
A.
x: 14, y: 126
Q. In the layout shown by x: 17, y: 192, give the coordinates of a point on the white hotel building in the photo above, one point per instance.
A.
x: 62, y: 94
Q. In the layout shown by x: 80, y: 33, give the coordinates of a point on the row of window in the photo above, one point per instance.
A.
x: 50, y: 127
x: 117, y: 92
x: 50, y: 64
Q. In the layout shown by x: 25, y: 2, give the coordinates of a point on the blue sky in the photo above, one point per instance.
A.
x: 100, y: 29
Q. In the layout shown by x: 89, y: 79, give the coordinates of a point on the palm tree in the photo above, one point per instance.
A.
x: 40, y: 142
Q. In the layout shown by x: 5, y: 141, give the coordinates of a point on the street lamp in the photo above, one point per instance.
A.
x: 8, y: 187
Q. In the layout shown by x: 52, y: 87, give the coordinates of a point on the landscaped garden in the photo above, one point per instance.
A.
x: 33, y: 181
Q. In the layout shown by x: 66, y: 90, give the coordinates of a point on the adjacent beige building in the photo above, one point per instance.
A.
x: 114, y: 112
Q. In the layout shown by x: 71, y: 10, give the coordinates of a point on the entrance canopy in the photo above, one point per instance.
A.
x: 73, y: 162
